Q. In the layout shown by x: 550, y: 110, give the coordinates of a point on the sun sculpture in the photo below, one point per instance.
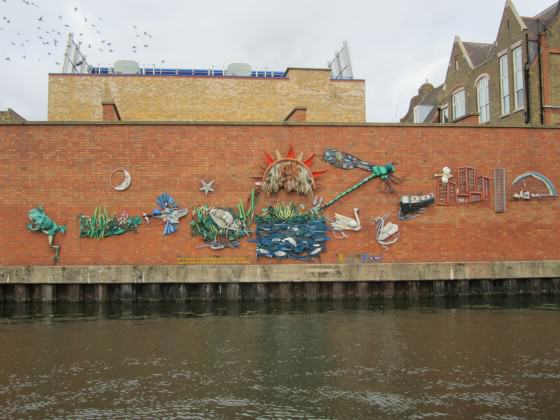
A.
x: 290, y: 173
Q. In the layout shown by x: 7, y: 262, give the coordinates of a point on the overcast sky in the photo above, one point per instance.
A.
x: 394, y: 45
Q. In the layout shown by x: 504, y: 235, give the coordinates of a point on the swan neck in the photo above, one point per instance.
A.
x: 357, y: 216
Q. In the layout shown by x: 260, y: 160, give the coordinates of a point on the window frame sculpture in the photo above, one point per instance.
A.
x: 168, y: 211
x: 347, y: 161
x: 467, y: 188
x: 290, y: 173
x: 40, y: 222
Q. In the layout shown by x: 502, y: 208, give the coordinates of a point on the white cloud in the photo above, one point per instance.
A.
x: 394, y: 45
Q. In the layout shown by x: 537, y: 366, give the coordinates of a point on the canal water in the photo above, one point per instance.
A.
x: 485, y: 359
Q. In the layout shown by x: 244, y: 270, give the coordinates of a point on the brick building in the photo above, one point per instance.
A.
x: 296, y: 94
x: 514, y: 80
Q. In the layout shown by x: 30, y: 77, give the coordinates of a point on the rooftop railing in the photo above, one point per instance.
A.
x: 160, y: 71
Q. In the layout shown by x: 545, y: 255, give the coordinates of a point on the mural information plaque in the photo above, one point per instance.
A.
x: 213, y: 260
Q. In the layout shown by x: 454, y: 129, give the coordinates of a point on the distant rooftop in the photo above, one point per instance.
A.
x: 166, y: 71
x: 75, y: 62
x: 170, y: 71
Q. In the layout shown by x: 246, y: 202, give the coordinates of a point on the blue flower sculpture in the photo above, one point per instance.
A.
x: 169, y: 212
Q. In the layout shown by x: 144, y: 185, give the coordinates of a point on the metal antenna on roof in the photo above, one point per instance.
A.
x: 340, y: 66
x: 74, y: 60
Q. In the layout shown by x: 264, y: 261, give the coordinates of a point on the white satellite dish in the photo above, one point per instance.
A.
x: 126, y: 67
x: 238, y: 69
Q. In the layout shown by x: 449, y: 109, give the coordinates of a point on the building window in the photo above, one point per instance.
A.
x: 483, y: 99
x: 504, y: 84
x: 444, y: 114
x: 459, y: 104
x: 421, y: 113
x: 456, y: 64
x: 518, y: 79
x: 416, y: 115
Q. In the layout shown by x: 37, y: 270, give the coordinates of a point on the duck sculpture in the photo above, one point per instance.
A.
x: 342, y: 223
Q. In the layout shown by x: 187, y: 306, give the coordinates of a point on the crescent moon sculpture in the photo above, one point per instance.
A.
x: 126, y: 181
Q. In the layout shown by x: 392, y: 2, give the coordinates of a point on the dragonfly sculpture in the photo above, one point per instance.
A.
x: 347, y: 161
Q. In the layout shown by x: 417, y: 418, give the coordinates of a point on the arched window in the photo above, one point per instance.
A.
x: 483, y: 99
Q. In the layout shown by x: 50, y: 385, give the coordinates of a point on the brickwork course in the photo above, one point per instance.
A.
x: 79, y: 97
x: 539, y: 40
x: 66, y: 167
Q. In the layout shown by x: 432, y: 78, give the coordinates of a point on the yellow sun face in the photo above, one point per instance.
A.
x: 290, y: 173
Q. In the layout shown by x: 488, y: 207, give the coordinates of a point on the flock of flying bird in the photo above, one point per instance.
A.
x: 50, y: 33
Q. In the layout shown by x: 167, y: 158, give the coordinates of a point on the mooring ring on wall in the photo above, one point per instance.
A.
x: 126, y: 181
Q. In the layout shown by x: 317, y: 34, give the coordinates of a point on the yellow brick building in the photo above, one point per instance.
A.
x: 140, y: 97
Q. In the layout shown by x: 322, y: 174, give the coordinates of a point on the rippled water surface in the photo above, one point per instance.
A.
x: 487, y: 360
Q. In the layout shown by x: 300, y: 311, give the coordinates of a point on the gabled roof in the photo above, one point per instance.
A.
x: 537, y: 23
x: 478, y: 52
x: 549, y: 13
x: 511, y: 6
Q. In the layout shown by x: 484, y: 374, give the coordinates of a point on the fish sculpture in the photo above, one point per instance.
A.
x: 283, y: 231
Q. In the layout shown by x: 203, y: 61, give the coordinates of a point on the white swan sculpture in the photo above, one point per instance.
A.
x: 342, y: 223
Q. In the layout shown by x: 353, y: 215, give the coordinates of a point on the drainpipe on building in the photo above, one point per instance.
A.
x: 527, y: 85
x: 541, y: 99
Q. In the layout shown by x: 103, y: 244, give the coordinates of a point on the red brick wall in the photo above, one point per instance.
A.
x: 66, y: 169
x: 110, y: 112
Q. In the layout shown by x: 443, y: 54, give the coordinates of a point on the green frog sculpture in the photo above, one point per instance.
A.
x: 40, y: 222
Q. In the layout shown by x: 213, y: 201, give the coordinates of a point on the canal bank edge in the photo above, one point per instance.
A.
x: 289, y: 273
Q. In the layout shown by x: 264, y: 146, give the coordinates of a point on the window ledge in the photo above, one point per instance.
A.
x: 505, y: 115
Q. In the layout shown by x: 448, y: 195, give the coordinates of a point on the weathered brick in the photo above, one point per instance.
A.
x: 79, y: 97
